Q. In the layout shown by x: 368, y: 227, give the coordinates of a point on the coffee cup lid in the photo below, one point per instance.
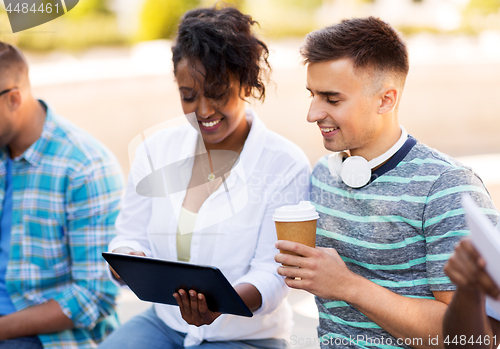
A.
x: 304, y: 211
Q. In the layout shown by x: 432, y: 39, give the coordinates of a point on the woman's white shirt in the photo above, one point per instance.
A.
x: 234, y: 230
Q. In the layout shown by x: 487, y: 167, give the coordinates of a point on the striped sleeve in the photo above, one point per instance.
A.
x: 444, y: 221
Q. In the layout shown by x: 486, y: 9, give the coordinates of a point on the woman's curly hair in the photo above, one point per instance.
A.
x: 222, y: 40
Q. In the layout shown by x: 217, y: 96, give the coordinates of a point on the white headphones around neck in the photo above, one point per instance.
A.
x: 356, y: 171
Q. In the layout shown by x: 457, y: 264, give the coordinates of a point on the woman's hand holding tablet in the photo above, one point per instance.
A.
x: 194, y: 308
x: 168, y: 282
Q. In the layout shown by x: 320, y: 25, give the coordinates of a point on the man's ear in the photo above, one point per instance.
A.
x: 14, y: 99
x: 388, y: 100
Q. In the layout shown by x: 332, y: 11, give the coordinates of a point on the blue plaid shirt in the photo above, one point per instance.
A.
x: 66, y: 196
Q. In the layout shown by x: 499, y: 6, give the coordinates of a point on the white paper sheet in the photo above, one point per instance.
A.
x: 486, y: 238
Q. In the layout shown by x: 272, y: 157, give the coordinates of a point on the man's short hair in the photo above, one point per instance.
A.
x: 12, y: 63
x: 368, y: 42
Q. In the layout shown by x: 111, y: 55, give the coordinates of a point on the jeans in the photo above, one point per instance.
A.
x: 22, y: 343
x: 147, y: 330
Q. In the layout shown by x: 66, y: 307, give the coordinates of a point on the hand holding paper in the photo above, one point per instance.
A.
x: 467, y: 269
x: 486, y: 240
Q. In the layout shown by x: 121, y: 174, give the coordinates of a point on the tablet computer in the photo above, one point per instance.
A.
x: 156, y: 280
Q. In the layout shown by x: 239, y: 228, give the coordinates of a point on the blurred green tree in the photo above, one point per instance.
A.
x: 159, y: 18
x: 88, y: 24
x: 300, y: 4
x: 284, y: 18
x: 481, y: 15
x: 483, y: 7
x: 87, y: 8
x: 239, y: 4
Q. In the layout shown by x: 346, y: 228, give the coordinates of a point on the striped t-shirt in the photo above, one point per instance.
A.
x: 398, y: 231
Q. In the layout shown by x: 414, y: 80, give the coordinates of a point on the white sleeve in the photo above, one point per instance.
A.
x: 263, y: 268
x: 132, y: 221
x: 135, y: 212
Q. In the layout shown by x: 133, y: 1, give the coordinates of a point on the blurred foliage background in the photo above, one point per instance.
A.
x: 95, y: 23
x: 159, y: 18
x: 285, y: 18
x: 90, y: 23
x: 480, y: 15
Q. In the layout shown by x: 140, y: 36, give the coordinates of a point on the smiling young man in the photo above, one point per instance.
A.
x: 389, y: 206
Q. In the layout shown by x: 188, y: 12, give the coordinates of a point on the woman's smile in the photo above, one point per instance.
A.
x: 210, y: 125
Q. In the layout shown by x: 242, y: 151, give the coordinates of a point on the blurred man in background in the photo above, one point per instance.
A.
x: 59, y: 193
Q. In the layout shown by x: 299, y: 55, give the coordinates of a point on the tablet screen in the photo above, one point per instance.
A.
x: 155, y: 280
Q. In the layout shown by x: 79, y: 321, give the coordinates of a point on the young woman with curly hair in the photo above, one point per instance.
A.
x: 222, y: 215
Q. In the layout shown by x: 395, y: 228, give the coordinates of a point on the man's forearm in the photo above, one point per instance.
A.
x: 417, y: 320
x: 466, y: 315
x: 43, y: 318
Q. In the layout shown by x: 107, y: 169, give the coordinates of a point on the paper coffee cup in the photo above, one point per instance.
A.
x: 296, y: 223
